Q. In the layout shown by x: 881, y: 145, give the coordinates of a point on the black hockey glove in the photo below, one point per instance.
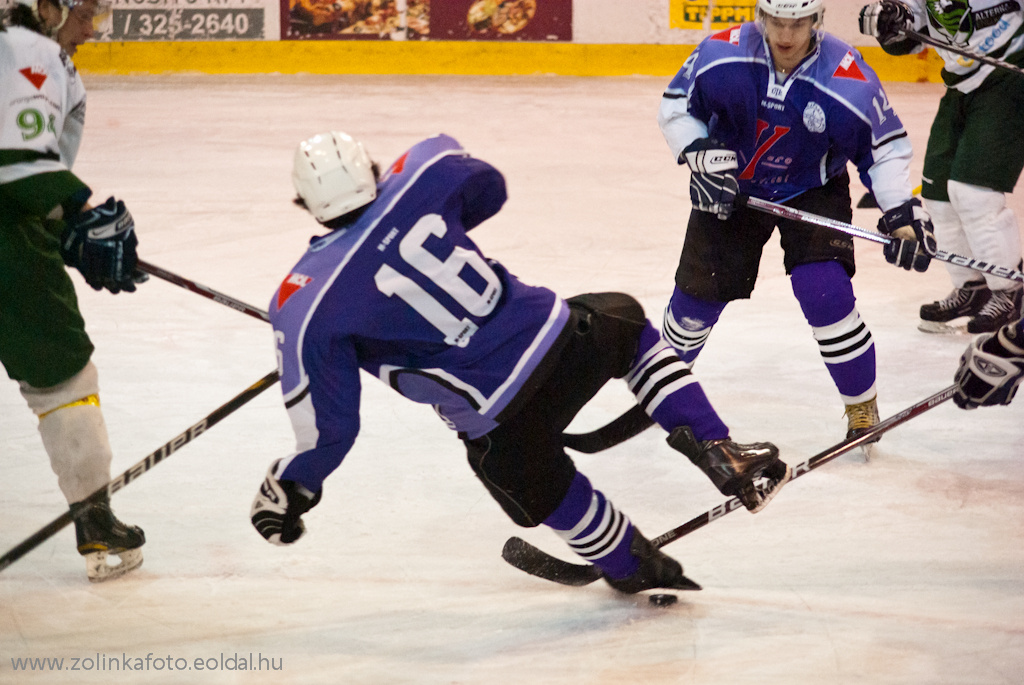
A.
x: 991, y: 369
x: 278, y: 508
x: 913, y: 238
x: 886, y: 21
x: 713, y: 186
x: 100, y: 243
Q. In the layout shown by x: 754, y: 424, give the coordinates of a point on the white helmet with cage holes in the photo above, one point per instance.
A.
x: 333, y: 174
x: 792, y: 9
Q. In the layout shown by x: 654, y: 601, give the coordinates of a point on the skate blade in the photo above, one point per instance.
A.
x: 98, y: 570
x: 766, y: 491
x: 869, y: 451
x: 953, y: 327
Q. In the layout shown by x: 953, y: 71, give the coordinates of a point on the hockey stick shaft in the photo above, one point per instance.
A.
x: 536, y: 562
x: 814, y: 462
x: 794, y: 214
x: 148, y: 462
x: 928, y: 40
x: 200, y: 289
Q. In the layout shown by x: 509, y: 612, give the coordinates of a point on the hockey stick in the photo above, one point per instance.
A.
x: 794, y: 214
x: 633, y: 422
x: 151, y: 460
x: 928, y: 40
x: 199, y: 289
x: 532, y: 560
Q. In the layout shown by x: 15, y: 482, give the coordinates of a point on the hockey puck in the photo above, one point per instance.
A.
x: 662, y: 600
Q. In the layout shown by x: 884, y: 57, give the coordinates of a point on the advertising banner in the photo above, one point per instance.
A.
x: 533, y: 20
x: 184, y: 20
x: 355, y: 19
x: 691, y: 14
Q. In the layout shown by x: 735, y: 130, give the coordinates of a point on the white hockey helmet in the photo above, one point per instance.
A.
x: 792, y: 9
x: 333, y: 174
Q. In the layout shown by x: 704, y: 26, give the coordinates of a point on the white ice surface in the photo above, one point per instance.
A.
x: 908, y: 569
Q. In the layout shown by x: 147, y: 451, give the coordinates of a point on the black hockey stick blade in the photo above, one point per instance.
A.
x: 148, y: 462
x: 536, y: 562
x: 630, y: 424
x: 526, y: 557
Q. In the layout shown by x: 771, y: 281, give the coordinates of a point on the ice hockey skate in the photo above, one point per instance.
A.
x: 951, y: 315
x: 657, y: 570
x: 1003, y: 307
x: 753, y: 473
x: 860, y: 418
x: 100, y: 534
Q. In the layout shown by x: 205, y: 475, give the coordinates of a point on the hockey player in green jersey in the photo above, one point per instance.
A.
x: 46, y: 224
x: 975, y: 149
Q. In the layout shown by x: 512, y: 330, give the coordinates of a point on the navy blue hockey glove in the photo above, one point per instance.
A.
x: 278, y: 508
x: 886, y: 21
x: 100, y: 243
x: 913, y: 238
x: 991, y: 369
x: 713, y: 186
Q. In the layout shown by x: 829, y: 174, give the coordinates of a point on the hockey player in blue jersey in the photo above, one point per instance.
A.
x: 775, y: 109
x: 398, y: 290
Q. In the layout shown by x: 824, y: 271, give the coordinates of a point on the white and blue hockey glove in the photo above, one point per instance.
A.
x: 991, y: 369
x: 913, y: 237
x: 713, y: 186
x: 278, y: 508
x: 100, y: 243
x: 886, y: 21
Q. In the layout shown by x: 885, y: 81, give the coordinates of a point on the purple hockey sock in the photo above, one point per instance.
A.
x: 595, y: 529
x: 826, y: 297
x: 667, y: 390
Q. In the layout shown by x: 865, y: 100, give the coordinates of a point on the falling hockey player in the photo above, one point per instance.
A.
x: 975, y: 148
x: 775, y: 109
x: 46, y: 224
x: 399, y: 290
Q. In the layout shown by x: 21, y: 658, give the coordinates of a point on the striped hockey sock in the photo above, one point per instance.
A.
x: 595, y: 529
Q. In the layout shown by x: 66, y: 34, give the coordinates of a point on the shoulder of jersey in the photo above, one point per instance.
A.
x: 842, y: 63
x: 732, y: 39
x: 42, y: 55
x: 420, y: 153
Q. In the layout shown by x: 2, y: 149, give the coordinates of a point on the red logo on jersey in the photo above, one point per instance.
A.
x: 848, y: 68
x: 291, y: 285
x: 35, y: 75
x: 399, y: 165
x: 730, y: 35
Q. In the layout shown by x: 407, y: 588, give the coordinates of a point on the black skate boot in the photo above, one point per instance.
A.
x: 941, y: 316
x: 753, y: 473
x: 1003, y: 307
x: 656, y: 570
x: 99, y: 533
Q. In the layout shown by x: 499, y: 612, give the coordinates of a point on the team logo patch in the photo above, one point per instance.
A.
x: 690, y: 324
x: 35, y: 75
x: 814, y: 117
x: 848, y: 68
x: 292, y: 284
x: 730, y: 35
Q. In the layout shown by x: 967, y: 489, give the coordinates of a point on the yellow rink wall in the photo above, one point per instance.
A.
x: 429, y: 57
